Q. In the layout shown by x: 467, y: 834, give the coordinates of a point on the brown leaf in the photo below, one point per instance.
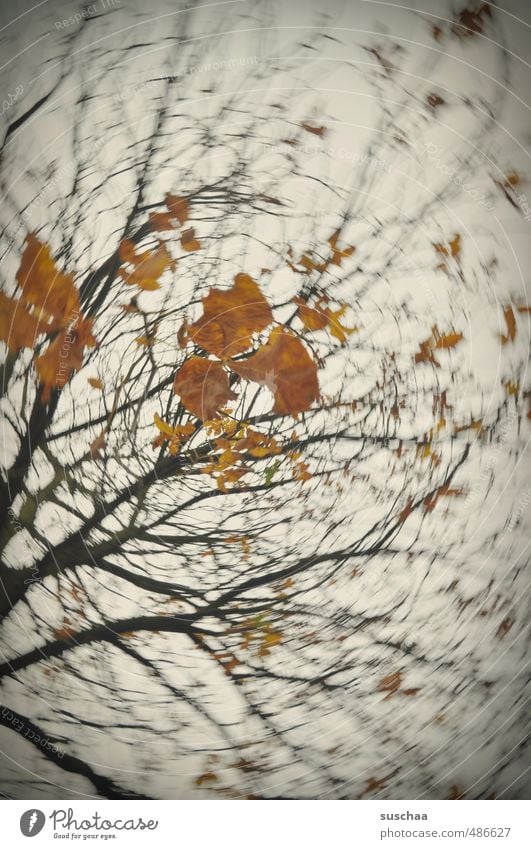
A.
x: 311, y: 128
x: 470, y: 22
x: 230, y: 317
x: 390, y: 683
x: 510, y: 320
x: 505, y: 626
x: 203, y: 387
x: 286, y: 368
x: 97, y: 446
x: 178, y: 207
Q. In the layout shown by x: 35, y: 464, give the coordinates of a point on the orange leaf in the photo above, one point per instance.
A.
x: 313, y: 318
x: 95, y: 382
x: 453, y: 251
x: 229, y: 319
x: 18, y: 328
x: 337, y: 254
x: 436, y: 341
x: 203, y: 386
x: 45, y: 287
x: 431, y: 500
x: 286, y: 368
x: 449, y: 340
x: 175, y: 436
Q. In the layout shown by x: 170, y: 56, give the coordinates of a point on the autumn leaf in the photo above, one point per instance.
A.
x: 425, y: 353
x: 374, y: 784
x: 188, y: 240
x: 424, y: 452
x: 390, y: 684
x: 321, y: 316
x: 257, y: 444
x: 510, y: 320
x: 228, y: 467
x: 309, y: 264
x: 175, y: 436
x: 95, y: 382
x: 178, y: 207
x: 470, y: 22
x: 269, y: 640
x: 408, y: 509
x: 131, y: 308
x: 301, y: 471
x: 284, y: 364
x: 64, y: 356
x: 450, y: 251
x: 437, y: 341
x: 512, y: 388
x: 445, y: 490
x: 314, y: 130
x: 455, y: 793
x: 145, y: 341
x: 207, y: 777
x: 313, y: 318
x: 148, y: 266
x: 512, y: 180
x: 161, y: 222
x: 97, y: 446
x: 339, y: 254
x: 230, y: 317
x: 474, y: 424
x: 18, y: 328
x: 444, y: 341
x: 203, y: 387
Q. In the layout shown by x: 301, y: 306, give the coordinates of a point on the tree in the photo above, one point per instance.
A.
x: 244, y: 423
